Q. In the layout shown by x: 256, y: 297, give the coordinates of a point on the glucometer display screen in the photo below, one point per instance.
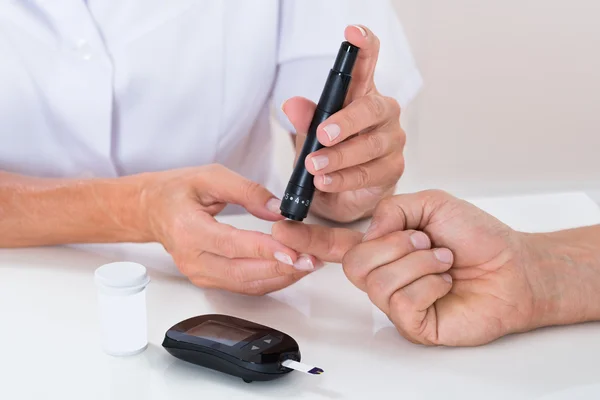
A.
x: 220, y: 332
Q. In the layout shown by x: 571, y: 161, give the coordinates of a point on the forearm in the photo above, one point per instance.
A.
x: 37, y: 212
x: 565, y: 275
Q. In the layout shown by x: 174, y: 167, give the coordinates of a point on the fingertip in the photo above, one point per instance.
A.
x: 309, y: 165
x: 324, y: 183
x: 420, y: 240
x: 297, y: 103
x: 444, y: 255
x: 284, y: 257
x: 371, y: 232
x: 273, y: 205
x: 356, y: 34
x: 323, y: 138
x: 305, y: 262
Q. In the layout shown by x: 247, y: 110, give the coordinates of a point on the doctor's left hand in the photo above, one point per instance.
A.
x: 363, y: 156
x: 180, y: 206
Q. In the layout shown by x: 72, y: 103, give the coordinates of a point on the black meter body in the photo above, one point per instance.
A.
x: 233, y: 346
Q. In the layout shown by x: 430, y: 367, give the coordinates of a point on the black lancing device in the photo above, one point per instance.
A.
x: 301, y: 189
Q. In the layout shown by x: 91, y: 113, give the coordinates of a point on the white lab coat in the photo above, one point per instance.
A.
x: 114, y: 87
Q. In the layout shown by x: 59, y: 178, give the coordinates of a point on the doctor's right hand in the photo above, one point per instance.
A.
x: 180, y: 206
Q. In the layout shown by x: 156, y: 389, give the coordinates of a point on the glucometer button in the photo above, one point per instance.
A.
x: 269, y: 340
x: 254, y: 348
x: 259, y: 345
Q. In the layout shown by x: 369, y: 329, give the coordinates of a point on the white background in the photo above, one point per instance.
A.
x: 511, y: 102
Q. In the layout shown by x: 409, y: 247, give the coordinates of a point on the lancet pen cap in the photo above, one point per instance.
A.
x: 346, y: 58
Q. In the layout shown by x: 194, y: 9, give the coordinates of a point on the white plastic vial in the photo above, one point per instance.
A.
x: 122, y: 307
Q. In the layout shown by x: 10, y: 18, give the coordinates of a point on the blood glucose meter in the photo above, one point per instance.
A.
x: 236, y: 347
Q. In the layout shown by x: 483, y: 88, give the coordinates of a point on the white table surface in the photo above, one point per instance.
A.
x: 49, y: 338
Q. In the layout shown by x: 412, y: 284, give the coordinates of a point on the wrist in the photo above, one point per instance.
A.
x: 564, y: 274
x: 127, y: 203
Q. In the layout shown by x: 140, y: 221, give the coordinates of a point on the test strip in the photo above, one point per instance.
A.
x: 309, y: 369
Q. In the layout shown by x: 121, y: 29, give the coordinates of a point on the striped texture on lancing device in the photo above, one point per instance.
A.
x: 309, y: 369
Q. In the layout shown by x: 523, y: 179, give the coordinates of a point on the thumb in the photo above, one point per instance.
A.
x: 326, y: 244
x: 299, y: 111
x: 230, y: 187
x: 406, y: 211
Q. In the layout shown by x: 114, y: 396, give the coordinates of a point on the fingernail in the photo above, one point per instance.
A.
x: 369, y: 231
x: 327, y: 180
x: 444, y: 255
x: 361, y: 29
x: 419, y: 240
x: 447, y: 278
x: 320, y: 162
x: 303, y: 263
x: 273, y: 205
x: 332, y: 131
x: 283, y: 105
x: 284, y: 258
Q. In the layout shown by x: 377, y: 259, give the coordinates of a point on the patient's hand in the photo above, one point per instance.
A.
x: 444, y: 271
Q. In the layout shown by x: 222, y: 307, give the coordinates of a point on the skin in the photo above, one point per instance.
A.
x: 176, y: 208
x: 364, y: 162
x: 447, y: 273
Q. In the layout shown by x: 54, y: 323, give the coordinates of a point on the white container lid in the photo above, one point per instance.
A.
x: 121, y: 278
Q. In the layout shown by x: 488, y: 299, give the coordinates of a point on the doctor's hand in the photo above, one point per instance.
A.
x: 363, y: 156
x: 447, y: 273
x: 180, y: 205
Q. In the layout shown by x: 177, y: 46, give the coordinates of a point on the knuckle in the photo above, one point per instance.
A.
x: 259, y: 249
x: 350, y: 119
x: 336, y: 248
x: 225, y: 244
x: 185, y: 267
x: 375, y: 145
x: 398, y: 136
x: 352, y: 275
x: 387, y: 204
x: 215, y: 168
x: 375, y: 285
x: 338, y: 157
x: 376, y: 105
x: 235, y: 273
x: 363, y: 177
x: 400, y: 303
x: 351, y: 267
x: 250, y: 189
x: 329, y: 241
x: 398, y: 167
x: 437, y: 194
x: 348, y: 261
x: 393, y: 106
x: 309, y: 240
